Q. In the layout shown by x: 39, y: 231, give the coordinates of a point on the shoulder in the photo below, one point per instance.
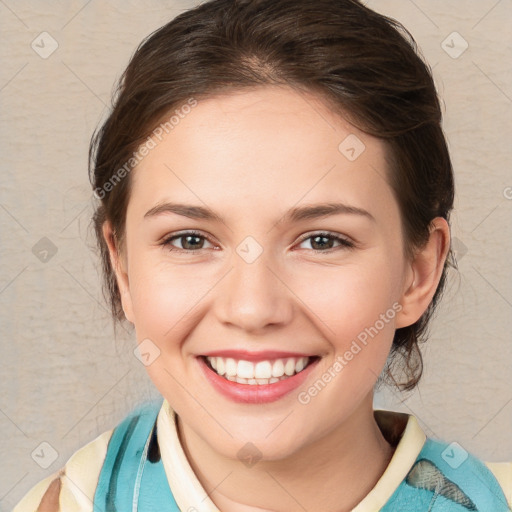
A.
x: 503, y: 473
x: 455, y: 475
x: 71, y: 488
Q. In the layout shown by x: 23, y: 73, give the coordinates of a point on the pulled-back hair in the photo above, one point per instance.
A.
x: 366, y: 68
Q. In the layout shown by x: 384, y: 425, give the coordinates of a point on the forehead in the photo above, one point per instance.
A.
x: 264, y: 144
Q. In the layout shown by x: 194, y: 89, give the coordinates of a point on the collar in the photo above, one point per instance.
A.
x: 400, y: 430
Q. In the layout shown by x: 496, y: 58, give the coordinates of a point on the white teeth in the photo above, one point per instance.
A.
x: 260, y: 373
x: 230, y: 367
x: 289, y: 367
x: 263, y: 370
x: 278, y: 368
x: 301, y: 363
x: 245, y: 369
x: 220, y: 368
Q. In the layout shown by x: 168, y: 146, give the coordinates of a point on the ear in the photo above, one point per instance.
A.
x: 120, y: 267
x: 424, y: 273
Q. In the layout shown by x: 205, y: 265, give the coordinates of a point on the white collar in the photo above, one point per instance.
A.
x: 190, y: 495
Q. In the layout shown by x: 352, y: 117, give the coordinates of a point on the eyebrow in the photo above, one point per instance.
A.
x: 296, y: 214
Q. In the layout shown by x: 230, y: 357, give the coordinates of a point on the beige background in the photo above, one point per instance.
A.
x: 65, y: 379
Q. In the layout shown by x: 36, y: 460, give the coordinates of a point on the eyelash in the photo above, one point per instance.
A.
x: 344, y: 243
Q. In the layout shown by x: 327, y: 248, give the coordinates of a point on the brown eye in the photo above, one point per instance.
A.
x: 190, y: 241
x: 323, y: 242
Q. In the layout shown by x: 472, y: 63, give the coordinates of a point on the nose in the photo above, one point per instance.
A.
x: 254, y: 296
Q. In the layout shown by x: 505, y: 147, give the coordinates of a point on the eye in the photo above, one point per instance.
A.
x: 191, y: 241
x: 323, y: 242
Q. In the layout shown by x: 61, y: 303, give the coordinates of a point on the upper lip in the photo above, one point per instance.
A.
x: 248, y: 355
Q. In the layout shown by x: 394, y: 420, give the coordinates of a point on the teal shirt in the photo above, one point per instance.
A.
x: 442, y: 479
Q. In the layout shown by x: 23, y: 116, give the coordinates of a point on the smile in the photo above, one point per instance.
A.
x: 260, y: 380
x: 257, y: 373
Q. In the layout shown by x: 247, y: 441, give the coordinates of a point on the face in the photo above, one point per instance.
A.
x: 252, y: 274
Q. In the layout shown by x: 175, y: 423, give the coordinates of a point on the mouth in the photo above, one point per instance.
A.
x: 257, y: 380
x: 258, y: 373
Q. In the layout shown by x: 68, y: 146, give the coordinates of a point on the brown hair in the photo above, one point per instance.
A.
x: 365, y: 66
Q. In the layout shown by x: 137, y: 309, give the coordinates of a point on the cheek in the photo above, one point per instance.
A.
x: 351, y: 298
x: 357, y: 307
x: 164, y: 296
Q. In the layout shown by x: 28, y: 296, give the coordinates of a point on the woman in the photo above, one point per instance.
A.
x: 274, y: 194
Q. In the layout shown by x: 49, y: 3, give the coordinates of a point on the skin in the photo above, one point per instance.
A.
x: 250, y: 157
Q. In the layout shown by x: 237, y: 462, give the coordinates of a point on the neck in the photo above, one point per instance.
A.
x: 332, y: 474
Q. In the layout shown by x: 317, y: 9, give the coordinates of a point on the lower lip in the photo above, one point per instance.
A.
x: 258, y: 393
